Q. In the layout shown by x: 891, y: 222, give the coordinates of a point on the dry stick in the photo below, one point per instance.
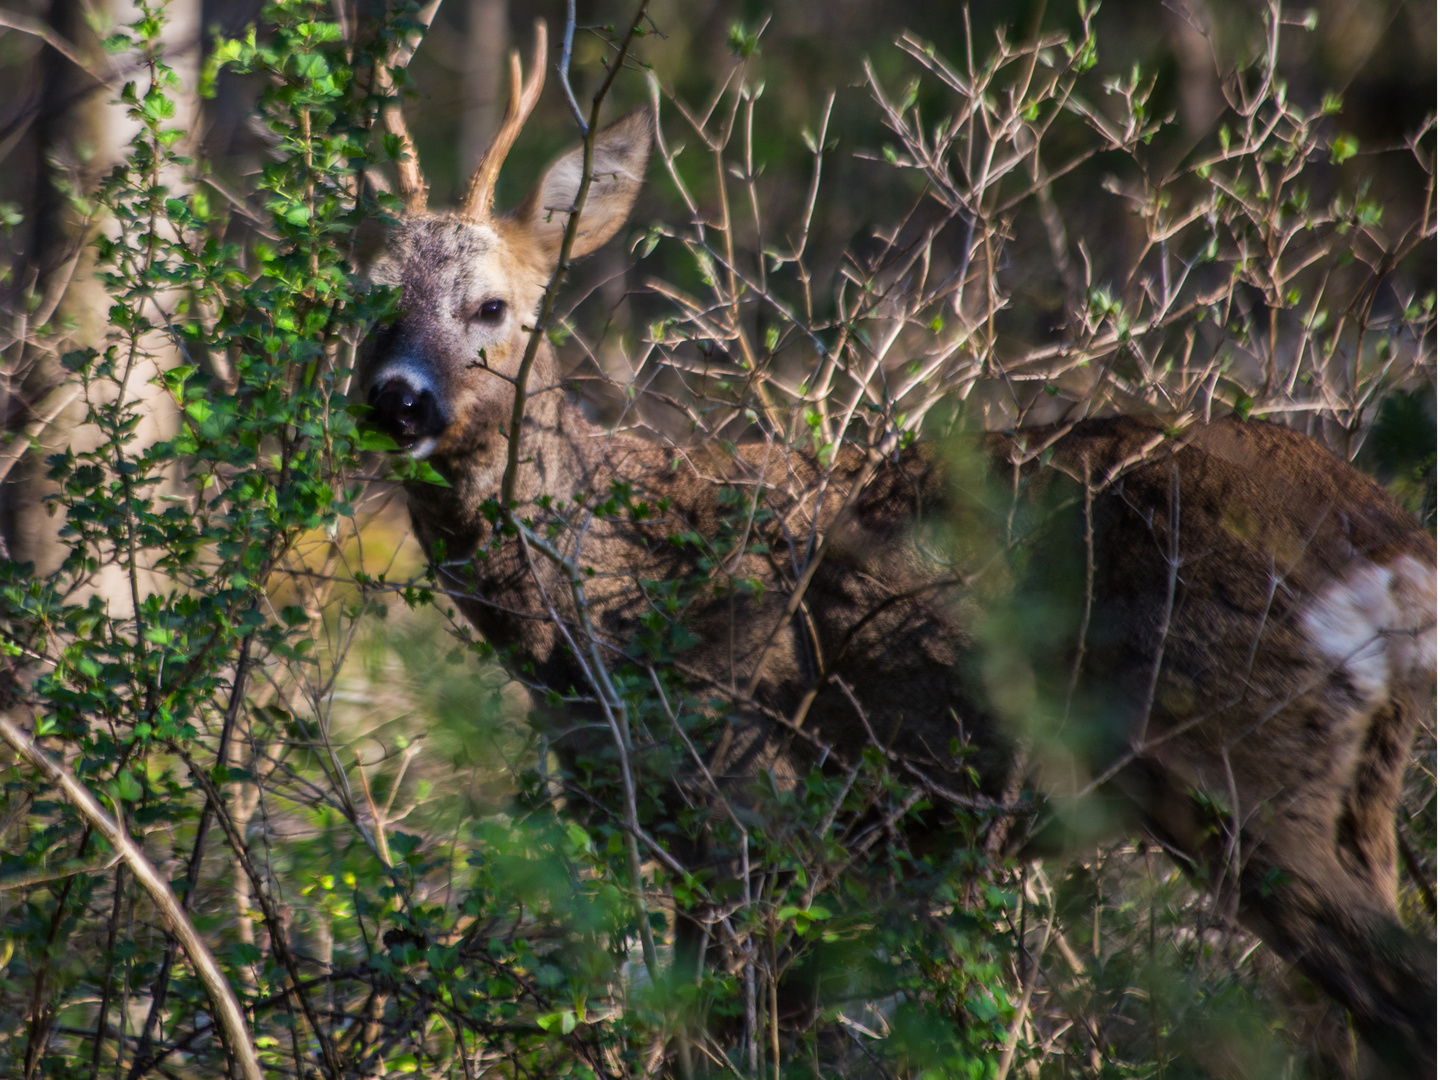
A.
x: 406, y: 756
x: 1233, y: 863
x: 613, y: 708
x: 123, y: 1014
x: 229, y: 1018
x: 10, y: 20
x: 1173, y: 563
x: 382, y: 846
x: 71, y: 868
x: 1089, y: 592
x: 1012, y: 1039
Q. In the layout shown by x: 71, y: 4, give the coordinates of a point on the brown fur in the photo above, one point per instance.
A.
x: 1229, y: 562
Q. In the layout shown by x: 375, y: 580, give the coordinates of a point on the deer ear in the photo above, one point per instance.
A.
x: 622, y: 151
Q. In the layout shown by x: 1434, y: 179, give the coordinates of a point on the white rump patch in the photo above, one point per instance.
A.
x: 1377, y: 624
x: 1412, y: 651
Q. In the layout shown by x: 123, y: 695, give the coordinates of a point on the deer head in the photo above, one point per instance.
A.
x: 440, y: 377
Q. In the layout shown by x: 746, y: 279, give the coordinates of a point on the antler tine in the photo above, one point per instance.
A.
x: 480, y: 195
x: 413, y: 187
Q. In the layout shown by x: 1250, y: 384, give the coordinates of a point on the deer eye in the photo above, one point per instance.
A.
x: 491, y: 312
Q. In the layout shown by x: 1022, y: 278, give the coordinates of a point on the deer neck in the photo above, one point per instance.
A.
x: 557, y: 455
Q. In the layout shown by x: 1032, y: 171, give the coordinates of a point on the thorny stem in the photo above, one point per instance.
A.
x: 567, y: 42
x: 614, y: 710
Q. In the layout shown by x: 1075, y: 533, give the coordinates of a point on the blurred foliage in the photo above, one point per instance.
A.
x: 454, y: 902
x: 1400, y: 451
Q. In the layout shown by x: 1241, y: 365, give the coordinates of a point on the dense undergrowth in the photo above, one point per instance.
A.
x: 244, y: 661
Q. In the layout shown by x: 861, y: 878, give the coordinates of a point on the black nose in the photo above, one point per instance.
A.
x: 404, y: 413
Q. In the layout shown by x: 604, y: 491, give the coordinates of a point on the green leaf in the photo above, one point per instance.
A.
x: 369, y: 437
x: 563, y: 1020
x: 176, y: 377
x: 427, y: 474
x: 742, y: 42
x: 127, y: 786
x: 1343, y: 148
x: 646, y: 244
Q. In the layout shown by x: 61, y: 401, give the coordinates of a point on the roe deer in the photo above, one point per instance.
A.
x: 1257, y: 621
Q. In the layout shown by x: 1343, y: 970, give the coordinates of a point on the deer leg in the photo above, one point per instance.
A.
x: 1317, y: 876
x: 1302, y: 898
x: 1320, y: 888
x: 1318, y: 880
x: 1366, y: 829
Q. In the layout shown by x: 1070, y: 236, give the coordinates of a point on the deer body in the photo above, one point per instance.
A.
x: 1246, y: 615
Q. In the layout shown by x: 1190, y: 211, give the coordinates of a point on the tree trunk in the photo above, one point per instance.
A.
x: 72, y: 148
x: 487, y: 38
x: 81, y: 132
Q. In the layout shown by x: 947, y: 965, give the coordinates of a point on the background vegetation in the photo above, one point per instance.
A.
x: 213, y: 616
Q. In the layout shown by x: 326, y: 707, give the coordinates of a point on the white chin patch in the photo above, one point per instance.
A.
x: 423, y: 449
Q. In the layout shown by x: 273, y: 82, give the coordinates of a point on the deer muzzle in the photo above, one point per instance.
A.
x: 409, y: 414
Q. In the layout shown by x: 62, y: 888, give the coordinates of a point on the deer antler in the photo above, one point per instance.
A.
x: 481, y: 193
x: 413, y: 188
